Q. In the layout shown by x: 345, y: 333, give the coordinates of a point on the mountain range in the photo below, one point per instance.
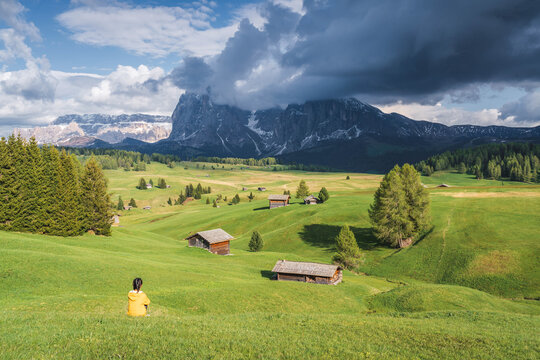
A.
x: 84, y: 130
x: 341, y: 134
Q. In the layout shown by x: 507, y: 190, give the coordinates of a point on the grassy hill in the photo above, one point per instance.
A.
x: 458, y: 292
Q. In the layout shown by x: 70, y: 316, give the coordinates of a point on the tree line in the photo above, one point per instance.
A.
x: 514, y: 161
x: 43, y: 190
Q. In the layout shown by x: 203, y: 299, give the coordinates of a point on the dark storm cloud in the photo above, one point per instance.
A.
x: 382, y: 50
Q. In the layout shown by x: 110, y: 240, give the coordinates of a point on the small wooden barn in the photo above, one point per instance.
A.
x: 216, y: 241
x: 128, y: 207
x: 308, y: 272
x: 443, y: 185
x: 261, y: 188
x: 311, y: 200
x: 278, y: 200
x: 147, y: 208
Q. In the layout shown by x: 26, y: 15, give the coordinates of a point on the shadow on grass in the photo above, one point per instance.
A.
x: 324, y: 236
x: 261, y: 208
x: 423, y: 236
x: 268, y: 274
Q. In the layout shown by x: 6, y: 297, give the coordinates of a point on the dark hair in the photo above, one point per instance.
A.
x: 137, y: 283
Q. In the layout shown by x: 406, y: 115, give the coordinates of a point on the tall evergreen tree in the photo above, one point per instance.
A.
x: 256, y: 242
x: 302, y: 191
x: 132, y: 203
x: 389, y: 213
x: 120, y: 205
x: 142, y: 184
x: 348, y: 253
x: 95, y: 199
x: 69, y: 215
x: 416, y: 197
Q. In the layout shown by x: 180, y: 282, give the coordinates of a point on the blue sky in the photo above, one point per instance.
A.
x: 453, y: 63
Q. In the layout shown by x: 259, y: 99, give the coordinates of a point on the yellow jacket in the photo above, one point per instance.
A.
x: 136, y: 303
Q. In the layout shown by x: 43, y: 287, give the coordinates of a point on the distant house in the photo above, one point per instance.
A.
x: 116, y: 220
x: 216, y: 241
x: 308, y: 272
x: 278, y: 200
x: 167, y: 186
x: 128, y: 207
x: 311, y: 200
x: 147, y: 208
x: 443, y: 185
x: 148, y: 186
x: 261, y: 189
x: 244, y: 189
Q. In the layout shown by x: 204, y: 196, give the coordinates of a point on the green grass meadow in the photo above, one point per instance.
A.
x: 468, y: 288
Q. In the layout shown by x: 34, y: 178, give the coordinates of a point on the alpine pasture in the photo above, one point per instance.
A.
x: 468, y: 288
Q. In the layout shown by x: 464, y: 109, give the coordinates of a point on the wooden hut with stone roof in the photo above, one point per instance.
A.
x: 216, y: 241
x: 278, y: 200
x: 308, y: 272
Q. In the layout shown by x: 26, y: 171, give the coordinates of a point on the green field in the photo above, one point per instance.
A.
x: 469, y: 288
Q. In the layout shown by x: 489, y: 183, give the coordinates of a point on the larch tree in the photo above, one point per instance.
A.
x: 348, y: 253
x: 302, y: 191
x: 400, y: 209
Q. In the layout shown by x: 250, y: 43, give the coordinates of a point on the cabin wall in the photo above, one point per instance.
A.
x: 275, y: 204
x: 198, y: 242
x: 221, y: 248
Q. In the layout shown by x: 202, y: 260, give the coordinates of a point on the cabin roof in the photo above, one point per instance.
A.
x: 213, y: 236
x: 311, y: 197
x: 443, y: 185
x: 279, y: 197
x: 305, y: 268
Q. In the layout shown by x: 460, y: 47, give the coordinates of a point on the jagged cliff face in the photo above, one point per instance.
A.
x: 229, y: 131
x: 82, y: 130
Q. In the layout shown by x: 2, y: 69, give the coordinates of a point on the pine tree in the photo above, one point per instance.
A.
x: 132, y: 203
x: 236, y: 199
x: 120, y: 205
x: 251, y: 196
x: 69, y: 205
x: 324, y: 195
x: 348, y: 253
x: 95, y: 199
x: 151, y: 182
x: 142, y: 184
x: 50, y: 222
x: 348, y: 177
x: 389, y: 213
x: 169, y: 202
x: 462, y: 169
x: 302, y: 191
x: 256, y: 243
x: 215, y: 203
x: 207, y: 200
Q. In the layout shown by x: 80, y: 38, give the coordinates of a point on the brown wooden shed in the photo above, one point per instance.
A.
x: 216, y: 241
x: 278, y: 200
x: 308, y: 272
x: 311, y: 200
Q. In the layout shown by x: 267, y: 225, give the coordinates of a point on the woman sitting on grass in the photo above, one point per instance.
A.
x: 137, y: 300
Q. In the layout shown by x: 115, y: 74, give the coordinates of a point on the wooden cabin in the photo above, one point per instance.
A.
x: 216, y: 241
x: 311, y: 200
x: 278, y: 200
x: 443, y: 185
x: 148, y: 186
x: 128, y: 207
x: 261, y: 188
x: 308, y: 272
x: 147, y: 208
